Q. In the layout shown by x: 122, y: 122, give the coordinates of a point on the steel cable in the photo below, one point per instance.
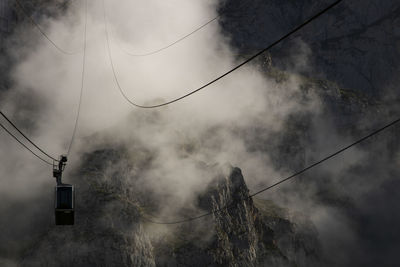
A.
x: 43, y: 32
x: 219, y: 77
x: 232, y: 205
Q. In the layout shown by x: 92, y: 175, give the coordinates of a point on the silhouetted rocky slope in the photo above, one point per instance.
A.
x: 355, y: 44
x: 112, y: 230
x: 107, y: 230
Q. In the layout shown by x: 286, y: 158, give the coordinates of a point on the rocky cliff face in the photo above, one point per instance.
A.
x: 237, y: 235
x: 111, y: 227
x: 107, y: 230
x: 355, y: 44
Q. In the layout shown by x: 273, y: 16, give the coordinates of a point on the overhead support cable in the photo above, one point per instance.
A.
x: 82, y: 84
x: 296, y: 174
x: 25, y: 146
x: 26, y: 137
x: 133, y: 103
x: 158, y: 50
x: 21, y: 7
x: 77, y: 115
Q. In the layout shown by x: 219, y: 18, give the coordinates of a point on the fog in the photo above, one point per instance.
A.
x: 214, y: 123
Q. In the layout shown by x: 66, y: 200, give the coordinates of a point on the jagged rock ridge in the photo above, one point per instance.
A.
x: 110, y: 230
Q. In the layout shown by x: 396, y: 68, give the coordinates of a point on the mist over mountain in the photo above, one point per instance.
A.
x: 329, y: 84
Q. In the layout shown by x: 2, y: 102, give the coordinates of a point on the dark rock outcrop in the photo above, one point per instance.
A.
x: 110, y: 228
x: 239, y: 234
x: 355, y: 44
x: 107, y: 230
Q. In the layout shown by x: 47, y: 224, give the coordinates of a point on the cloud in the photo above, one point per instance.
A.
x: 207, y: 128
x: 242, y: 120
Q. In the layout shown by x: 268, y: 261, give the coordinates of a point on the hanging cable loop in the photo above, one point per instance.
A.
x: 133, y: 103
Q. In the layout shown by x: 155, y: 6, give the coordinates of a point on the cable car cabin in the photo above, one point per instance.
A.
x: 64, y: 204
